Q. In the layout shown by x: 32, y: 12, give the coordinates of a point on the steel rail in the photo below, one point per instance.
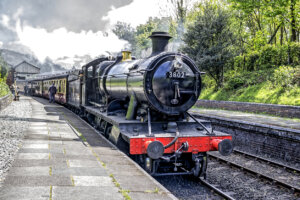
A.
x: 277, y: 164
x: 218, y: 191
x: 266, y: 177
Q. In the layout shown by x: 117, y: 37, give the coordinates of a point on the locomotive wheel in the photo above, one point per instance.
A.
x: 204, y: 166
x: 200, y: 166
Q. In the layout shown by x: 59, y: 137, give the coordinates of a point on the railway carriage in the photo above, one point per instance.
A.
x: 60, y: 83
x: 142, y: 107
x: 36, y: 87
x: 74, y: 90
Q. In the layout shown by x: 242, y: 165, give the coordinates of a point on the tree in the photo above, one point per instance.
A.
x: 269, y: 18
x: 126, y: 32
x: 3, y: 68
x: 293, y: 21
x: 209, y: 41
x: 3, y: 72
x: 180, y: 9
x: 139, y: 38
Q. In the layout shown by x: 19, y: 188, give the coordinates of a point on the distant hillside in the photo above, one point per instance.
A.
x: 13, y: 58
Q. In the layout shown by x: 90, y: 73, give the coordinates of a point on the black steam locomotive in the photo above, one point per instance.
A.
x: 141, y: 106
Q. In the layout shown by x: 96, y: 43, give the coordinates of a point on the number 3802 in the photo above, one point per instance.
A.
x: 176, y: 74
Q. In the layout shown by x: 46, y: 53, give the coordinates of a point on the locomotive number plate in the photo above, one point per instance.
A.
x: 176, y: 74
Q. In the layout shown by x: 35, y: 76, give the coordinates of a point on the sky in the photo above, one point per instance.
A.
x: 65, y: 30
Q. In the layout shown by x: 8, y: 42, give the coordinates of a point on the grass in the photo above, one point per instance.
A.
x: 4, y: 90
x: 155, y: 191
x: 125, y: 193
x: 263, y: 92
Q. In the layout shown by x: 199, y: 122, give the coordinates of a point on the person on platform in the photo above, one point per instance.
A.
x: 52, y: 92
x: 26, y: 90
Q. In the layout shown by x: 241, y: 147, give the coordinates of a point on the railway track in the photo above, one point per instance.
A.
x: 287, y: 181
x: 216, y: 190
x: 268, y: 161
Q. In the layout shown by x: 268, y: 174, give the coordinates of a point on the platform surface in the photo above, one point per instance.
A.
x: 250, y: 117
x: 64, y: 158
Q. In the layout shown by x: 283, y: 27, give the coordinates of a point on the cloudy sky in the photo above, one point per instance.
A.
x: 66, y: 29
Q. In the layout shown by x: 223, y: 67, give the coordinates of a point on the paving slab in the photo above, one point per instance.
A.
x: 86, y: 193
x: 24, y: 193
x: 33, y: 156
x: 35, y: 146
x: 55, y: 163
x: 35, y: 150
x: 41, y: 162
x: 79, y: 171
x: 36, y: 181
x: 29, y: 171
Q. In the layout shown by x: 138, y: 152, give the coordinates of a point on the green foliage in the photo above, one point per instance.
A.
x: 124, y: 31
x: 259, y: 93
x: 295, y: 53
x: 250, y: 60
x: 269, y: 56
x: 138, y: 37
x: 4, y: 90
x: 209, y: 40
x: 285, y: 76
x: 235, y: 83
x: 235, y: 80
x: 143, y: 32
x: 266, y: 22
x: 3, y: 72
x: 278, y: 86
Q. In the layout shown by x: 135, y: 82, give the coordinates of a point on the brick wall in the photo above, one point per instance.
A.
x: 278, y: 142
x: 279, y: 110
x: 5, y: 101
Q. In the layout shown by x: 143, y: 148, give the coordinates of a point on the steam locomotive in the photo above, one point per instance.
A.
x: 141, y: 106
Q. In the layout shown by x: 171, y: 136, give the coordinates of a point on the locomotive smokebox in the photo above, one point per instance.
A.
x: 160, y: 42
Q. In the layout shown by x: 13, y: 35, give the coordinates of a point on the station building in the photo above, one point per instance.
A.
x: 24, y: 70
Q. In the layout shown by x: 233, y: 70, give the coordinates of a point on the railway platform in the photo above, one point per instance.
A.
x: 251, y: 118
x: 260, y: 134
x: 62, y: 157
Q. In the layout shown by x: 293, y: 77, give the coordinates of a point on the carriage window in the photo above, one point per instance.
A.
x: 59, y: 86
x: 63, y: 85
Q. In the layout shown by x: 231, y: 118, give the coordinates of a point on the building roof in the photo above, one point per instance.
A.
x: 27, y: 63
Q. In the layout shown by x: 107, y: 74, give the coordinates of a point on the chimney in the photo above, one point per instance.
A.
x: 160, y: 42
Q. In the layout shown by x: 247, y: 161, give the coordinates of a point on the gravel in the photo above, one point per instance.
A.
x: 264, y: 168
x: 187, y: 187
x: 242, y: 185
x: 233, y: 181
x: 14, y: 121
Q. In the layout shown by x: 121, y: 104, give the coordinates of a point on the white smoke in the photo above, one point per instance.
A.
x: 61, y: 42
